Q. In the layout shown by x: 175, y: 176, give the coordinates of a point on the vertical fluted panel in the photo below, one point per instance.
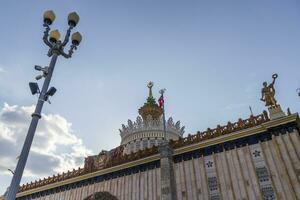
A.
x: 114, y: 187
x: 287, y: 162
x: 193, y: 179
x: 125, y: 197
x: 91, y: 189
x: 222, y: 170
x: 292, y: 153
x: 187, y: 175
x: 67, y: 195
x: 281, y: 169
x: 134, y: 187
x: 71, y: 194
x: 150, y: 185
x: 145, y: 185
x: 122, y: 188
x: 142, y: 182
x: 240, y: 177
x: 198, y: 178
x: 154, y: 184
x: 56, y: 196
x: 129, y: 194
x: 233, y: 175
x: 279, y: 187
x: 182, y: 178
x: 158, y: 188
x: 245, y: 172
x: 295, y: 138
x: 178, y: 181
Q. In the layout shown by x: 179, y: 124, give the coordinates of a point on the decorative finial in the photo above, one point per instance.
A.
x: 150, y: 85
x: 150, y: 107
x: 268, y: 93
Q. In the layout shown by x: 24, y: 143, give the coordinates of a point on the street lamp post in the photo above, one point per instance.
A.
x: 162, y: 92
x: 56, y: 48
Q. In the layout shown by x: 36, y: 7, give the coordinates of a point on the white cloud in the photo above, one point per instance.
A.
x: 2, y: 69
x: 55, y: 147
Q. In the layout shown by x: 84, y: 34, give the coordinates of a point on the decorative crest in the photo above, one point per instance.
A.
x: 268, y: 93
x: 150, y: 107
x: 150, y: 124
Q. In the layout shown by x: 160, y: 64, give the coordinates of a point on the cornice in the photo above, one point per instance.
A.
x: 238, y: 134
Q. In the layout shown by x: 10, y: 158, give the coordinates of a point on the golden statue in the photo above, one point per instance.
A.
x: 268, y: 93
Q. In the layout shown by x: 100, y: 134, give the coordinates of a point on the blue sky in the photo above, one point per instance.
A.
x: 211, y: 56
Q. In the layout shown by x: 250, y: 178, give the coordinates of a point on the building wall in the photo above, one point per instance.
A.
x: 268, y: 169
x: 142, y: 185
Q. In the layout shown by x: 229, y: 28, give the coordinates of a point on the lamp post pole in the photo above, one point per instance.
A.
x: 56, y: 49
x: 162, y: 91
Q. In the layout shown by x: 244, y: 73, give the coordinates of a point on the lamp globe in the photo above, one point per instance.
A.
x: 73, y: 19
x: 76, y: 38
x: 49, y: 17
x: 54, y: 36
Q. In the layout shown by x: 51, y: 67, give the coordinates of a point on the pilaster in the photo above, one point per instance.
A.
x: 168, y: 185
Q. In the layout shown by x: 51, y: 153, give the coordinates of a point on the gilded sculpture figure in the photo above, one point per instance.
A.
x: 268, y: 93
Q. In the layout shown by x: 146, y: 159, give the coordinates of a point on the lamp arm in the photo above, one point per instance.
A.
x: 71, y: 51
x: 46, y: 34
x: 66, y: 40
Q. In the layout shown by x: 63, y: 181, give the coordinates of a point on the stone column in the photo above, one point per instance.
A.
x: 168, y: 185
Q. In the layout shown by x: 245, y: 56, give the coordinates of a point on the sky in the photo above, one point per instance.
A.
x: 211, y: 56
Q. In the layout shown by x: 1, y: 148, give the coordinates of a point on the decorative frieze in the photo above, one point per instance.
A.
x: 262, y: 172
x: 212, y: 181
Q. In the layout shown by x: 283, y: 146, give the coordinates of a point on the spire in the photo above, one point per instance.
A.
x: 150, y: 85
x: 150, y: 108
x: 150, y: 99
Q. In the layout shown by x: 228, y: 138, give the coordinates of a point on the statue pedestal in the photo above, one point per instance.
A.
x: 276, y: 112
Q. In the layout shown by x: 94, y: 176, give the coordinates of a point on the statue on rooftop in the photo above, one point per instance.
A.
x: 268, y: 93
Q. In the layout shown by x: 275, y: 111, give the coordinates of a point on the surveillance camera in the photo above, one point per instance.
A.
x: 51, y: 91
x: 38, y: 77
x: 38, y: 68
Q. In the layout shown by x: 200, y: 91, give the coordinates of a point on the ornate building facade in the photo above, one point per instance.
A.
x: 254, y: 158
